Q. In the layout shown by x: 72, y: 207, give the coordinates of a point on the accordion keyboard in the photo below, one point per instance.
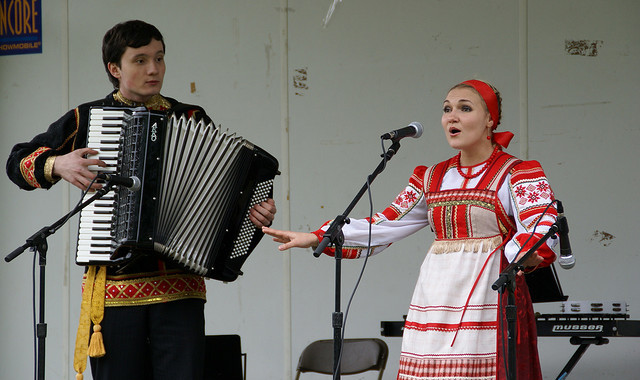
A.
x: 95, y: 233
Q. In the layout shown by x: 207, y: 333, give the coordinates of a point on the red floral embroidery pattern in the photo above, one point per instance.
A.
x: 520, y: 191
x: 406, y: 199
x: 533, y: 193
x: 543, y: 186
x: 411, y: 196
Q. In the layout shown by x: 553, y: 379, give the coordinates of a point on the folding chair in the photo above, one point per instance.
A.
x: 358, y: 355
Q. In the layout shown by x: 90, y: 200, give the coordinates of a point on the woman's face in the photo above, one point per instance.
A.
x: 465, y: 121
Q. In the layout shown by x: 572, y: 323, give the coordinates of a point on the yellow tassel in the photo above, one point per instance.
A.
x: 84, y: 324
x: 96, y: 344
x: 91, y: 310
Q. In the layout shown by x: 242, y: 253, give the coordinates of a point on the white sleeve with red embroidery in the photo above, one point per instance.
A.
x: 405, y: 216
x: 526, y: 202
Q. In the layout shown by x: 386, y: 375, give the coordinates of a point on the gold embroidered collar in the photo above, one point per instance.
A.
x: 156, y: 103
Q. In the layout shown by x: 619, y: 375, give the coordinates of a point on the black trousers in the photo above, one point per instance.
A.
x: 153, y: 342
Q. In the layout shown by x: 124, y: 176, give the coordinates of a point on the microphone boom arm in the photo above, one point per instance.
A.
x: 335, y: 236
x: 39, y: 237
x: 335, y: 229
x: 516, y: 266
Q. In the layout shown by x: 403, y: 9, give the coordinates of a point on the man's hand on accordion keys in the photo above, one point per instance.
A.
x: 74, y: 168
x: 262, y: 214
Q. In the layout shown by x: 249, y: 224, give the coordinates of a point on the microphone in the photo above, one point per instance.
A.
x: 566, y: 259
x: 413, y: 130
x: 132, y: 183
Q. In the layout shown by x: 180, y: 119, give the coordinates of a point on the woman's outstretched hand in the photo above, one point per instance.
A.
x: 291, y: 239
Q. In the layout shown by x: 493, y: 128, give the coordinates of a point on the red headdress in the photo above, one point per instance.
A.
x: 491, y: 100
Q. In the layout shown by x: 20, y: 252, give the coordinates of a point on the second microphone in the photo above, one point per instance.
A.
x: 131, y: 183
x: 412, y: 130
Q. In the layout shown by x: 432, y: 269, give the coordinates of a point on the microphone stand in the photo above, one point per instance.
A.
x: 334, y: 236
x: 38, y: 244
x: 507, y: 281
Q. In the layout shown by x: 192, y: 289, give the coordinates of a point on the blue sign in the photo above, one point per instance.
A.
x: 20, y: 27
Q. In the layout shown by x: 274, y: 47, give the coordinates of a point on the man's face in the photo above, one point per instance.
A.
x: 141, y: 71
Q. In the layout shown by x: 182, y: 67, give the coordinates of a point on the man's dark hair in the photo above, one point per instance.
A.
x: 134, y: 33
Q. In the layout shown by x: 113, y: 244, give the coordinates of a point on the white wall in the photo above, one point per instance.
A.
x: 377, y: 66
x: 34, y: 91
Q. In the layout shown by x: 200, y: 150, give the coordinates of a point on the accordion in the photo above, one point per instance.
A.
x: 197, y: 185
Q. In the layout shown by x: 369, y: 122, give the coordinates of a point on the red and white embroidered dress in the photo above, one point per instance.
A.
x: 452, y: 329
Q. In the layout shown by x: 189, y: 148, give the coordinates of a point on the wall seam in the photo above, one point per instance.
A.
x: 66, y: 194
x: 523, y: 57
x: 285, y: 207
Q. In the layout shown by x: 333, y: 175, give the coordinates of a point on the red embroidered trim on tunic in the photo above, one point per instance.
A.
x: 480, y: 368
x: 150, y: 290
x: 450, y: 205
x: 28, y: 166
x: 482, y: 325
x: 489, y: 306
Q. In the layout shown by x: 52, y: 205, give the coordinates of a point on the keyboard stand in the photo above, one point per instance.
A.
x: 583, y: 343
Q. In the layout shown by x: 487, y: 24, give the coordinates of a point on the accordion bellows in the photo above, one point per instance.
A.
x: 198, y: 184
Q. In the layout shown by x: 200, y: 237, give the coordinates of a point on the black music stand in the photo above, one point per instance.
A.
x: 583, y: 344
x: 38, y: 244
x: 335, y: 237
x: 544, y: 285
